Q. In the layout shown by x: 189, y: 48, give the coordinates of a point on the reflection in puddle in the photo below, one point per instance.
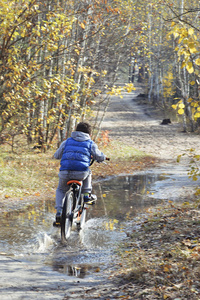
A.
x: 124, y: 196
x: 29, y: 233
x: 75, y: 271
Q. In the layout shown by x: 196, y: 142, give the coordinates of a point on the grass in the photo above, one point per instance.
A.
x: 30, y: 172
x: 124, y: 159
x: 117, y: 151
x: 27, y: 173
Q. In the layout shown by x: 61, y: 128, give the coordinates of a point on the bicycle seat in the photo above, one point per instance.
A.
x: 74, y: 181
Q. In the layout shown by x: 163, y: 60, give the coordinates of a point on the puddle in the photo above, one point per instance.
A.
x: 29, y: 235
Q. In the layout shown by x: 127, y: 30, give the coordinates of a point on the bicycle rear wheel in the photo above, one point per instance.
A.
x: 67, y: 216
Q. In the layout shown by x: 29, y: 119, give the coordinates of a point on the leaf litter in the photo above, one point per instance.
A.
x: 161, y: 258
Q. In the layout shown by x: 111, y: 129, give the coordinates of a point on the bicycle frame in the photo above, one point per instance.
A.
x: 72, y: 204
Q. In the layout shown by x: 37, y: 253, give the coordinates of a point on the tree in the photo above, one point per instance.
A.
x: 55, y: 60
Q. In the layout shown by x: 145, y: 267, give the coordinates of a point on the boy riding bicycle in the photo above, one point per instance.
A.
x: 75, y: 154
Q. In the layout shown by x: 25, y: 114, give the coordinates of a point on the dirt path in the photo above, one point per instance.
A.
x: 128, y: 122
x: 139, y: 126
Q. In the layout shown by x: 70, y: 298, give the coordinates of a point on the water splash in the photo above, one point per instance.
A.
x: 44, y: 242
x: 98, y: 234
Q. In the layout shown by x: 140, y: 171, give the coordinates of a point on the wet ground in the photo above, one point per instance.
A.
x: 28, y: 236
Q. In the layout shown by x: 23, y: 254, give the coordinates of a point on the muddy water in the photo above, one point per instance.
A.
x: 28, y: 234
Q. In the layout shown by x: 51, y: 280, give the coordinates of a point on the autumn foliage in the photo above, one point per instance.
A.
x: 54, y: 64
x: 61, y: 60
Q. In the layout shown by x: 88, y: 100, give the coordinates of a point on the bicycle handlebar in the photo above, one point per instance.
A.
x: 92, y: 160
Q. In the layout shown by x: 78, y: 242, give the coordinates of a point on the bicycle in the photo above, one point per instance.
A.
x: 74, y: 208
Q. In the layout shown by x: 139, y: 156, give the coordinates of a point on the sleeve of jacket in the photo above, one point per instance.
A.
x: 96, y: 153
x: 59, y: 152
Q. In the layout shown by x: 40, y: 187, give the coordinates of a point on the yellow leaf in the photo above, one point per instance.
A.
x: 183, y: 64
x: 186, y: 203
x: 77, y: 51
x: 190, y: 68
x: 197, y: 61
x: 181, y: 111
x: 174, y: 106
x: 192, y: 48
x: 176, y: 34
x: 197, y: 115
x: 181, y: 105
x: 178, y: 158
x: 192, y: 82
x: 104, y: 195
x: 166, y: 269
x: 129, y: 87
x: 83, y: 25
x: 190, y: 31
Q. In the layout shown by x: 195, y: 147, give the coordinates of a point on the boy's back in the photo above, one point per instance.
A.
x: 75, y: 154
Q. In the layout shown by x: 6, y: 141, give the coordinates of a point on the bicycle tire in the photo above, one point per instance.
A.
x: 67, y: 216
x: 83, y: 217
x: 81, y: 223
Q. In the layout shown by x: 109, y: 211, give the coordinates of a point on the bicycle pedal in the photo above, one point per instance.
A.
x: 55, y: 224
x: 77, y: 217
x: 77, y: 221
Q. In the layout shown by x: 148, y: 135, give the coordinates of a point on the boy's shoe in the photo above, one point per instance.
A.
x: 90, y: 199
x: 58, y: 219
x: 58, y: 216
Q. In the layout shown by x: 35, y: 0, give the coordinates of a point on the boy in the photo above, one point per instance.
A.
x: 75, y: 154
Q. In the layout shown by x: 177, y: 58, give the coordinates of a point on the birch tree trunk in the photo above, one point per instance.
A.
x: 71, y: 121
x: 150, y: 58
x: 108, y: 100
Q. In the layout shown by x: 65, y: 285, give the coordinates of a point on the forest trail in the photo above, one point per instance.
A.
x: 134, y: 123
x: 131, y: 123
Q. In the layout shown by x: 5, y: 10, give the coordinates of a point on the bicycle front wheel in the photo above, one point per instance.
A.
x: 81, y: 221
x: 67, y: 216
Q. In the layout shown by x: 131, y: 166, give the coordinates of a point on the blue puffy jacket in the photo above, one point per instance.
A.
x: 76, y: 155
